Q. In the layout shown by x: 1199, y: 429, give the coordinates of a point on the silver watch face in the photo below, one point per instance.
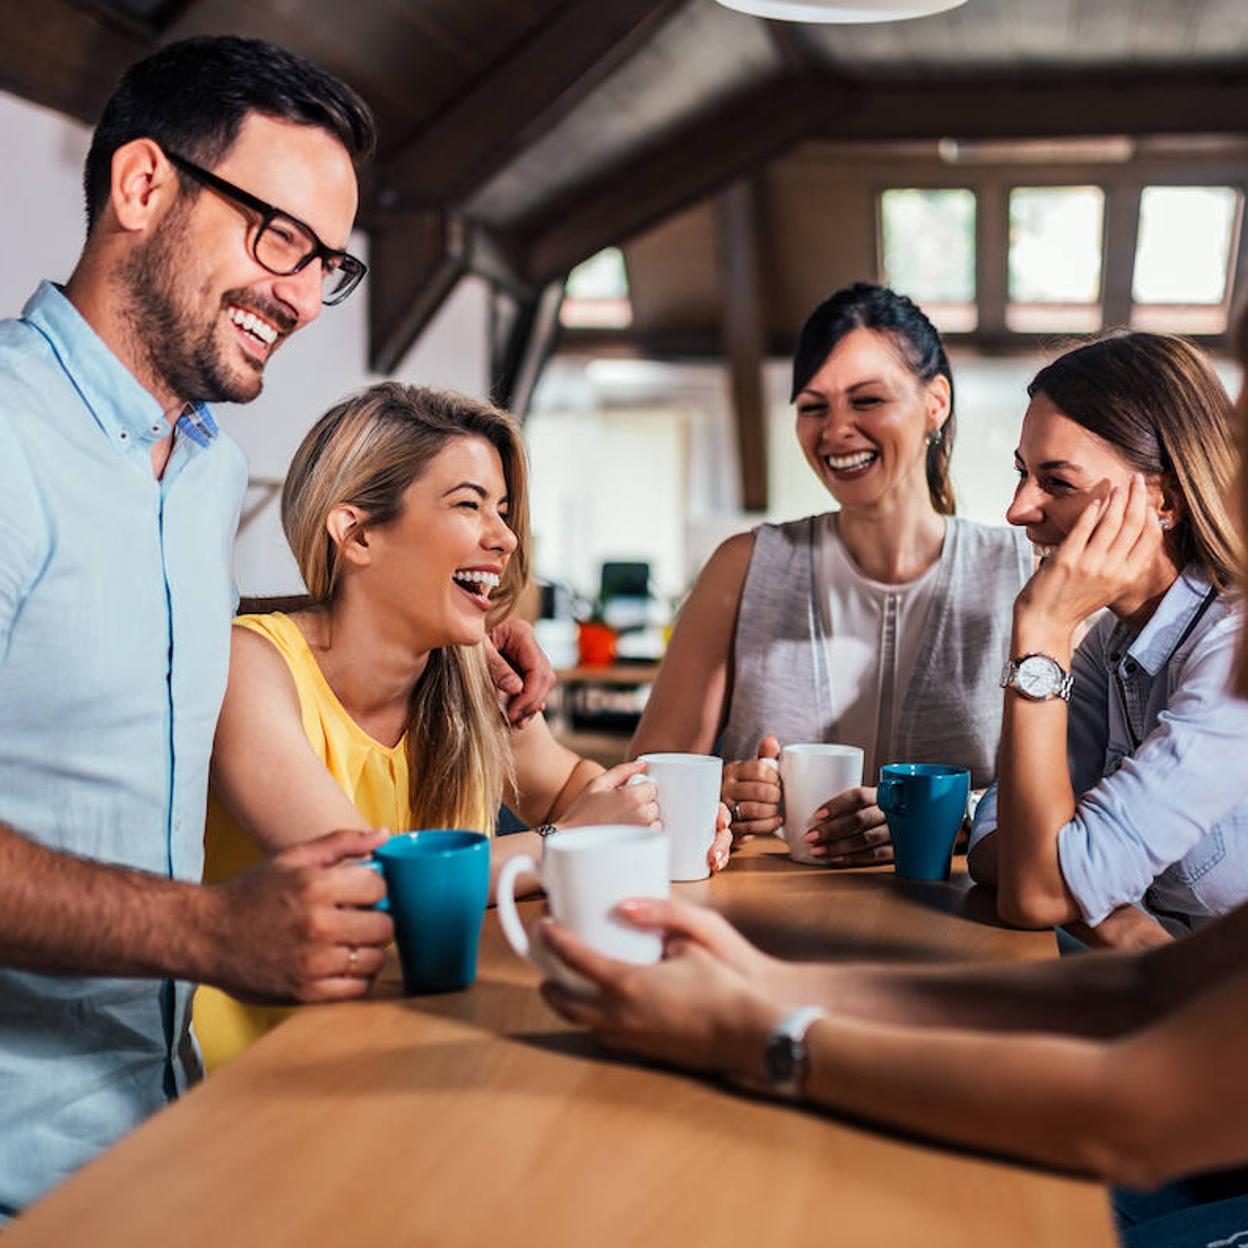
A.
x: 1038, y: 677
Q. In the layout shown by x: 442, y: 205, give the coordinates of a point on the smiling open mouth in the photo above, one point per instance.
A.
x: 254, y: 326
x: 477, y: 585
x: 852, y: 464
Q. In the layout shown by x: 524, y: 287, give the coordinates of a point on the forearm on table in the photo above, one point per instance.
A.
x: 1101, y: 994
x: 61, y: 914
x: 1058, y: 1100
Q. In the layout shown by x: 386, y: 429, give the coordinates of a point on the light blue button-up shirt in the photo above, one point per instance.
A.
x: 1158, y: 751
x: 116, y: 595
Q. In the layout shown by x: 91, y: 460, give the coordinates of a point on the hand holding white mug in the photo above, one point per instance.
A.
x: 751, y: 791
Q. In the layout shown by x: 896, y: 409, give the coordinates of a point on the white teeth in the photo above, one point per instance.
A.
x: 253, y: 324
x: 490, y: 580
x: 843, y: 463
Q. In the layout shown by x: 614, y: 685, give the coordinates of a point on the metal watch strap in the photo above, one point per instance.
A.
x: 545, y: 829
x: 786, y: 1058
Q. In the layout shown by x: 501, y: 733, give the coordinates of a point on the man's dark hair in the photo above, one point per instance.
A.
x: 193, y: 96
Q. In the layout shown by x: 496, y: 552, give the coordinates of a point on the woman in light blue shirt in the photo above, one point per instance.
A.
x: 1137, y: 790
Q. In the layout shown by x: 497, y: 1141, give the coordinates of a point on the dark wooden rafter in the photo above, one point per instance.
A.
x: 1041, y: 107
x: 744, y: 331
x: 416, y: 259
x: 696, y: 160
x: 523, y: 341
x: 68, y: 57
x: 517, y: 102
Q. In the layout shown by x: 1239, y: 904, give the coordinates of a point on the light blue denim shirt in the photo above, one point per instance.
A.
x: 1158, y: 752
x: 116, y: 595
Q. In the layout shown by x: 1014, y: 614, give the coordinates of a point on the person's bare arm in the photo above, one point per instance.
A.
x: 263, y: 767
x: 282, y: 931
x: 1151, y: 1096
x: 691, y: 694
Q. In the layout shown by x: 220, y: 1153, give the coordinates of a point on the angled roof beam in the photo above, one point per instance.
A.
x: 519, y: 100
x: 697, y: 160
x: 66, y: 56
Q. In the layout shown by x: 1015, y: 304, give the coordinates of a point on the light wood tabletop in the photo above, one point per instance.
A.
x: 479, y: 1118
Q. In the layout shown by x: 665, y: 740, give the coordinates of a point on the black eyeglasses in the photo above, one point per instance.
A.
x: 283, y: 244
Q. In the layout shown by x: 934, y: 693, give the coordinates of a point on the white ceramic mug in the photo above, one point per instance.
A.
x: 688, y: 794
x: 810, y: 774
x: 586, y: 873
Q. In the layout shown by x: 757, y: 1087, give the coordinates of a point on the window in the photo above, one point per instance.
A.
x: 1055, y: 259
x: 928, y: 249
x: 596, y: 293
x: 1183, y: 258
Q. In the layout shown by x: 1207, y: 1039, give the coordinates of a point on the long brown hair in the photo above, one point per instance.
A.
x: 364, y: 453
x: 1157, y: 401
x: 1239, y: 676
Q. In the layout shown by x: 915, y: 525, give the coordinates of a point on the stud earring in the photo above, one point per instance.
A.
x: 936, y: 437
x: 1165, y: 522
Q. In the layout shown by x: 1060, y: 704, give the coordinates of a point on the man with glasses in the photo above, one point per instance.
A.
x: 221, y: 190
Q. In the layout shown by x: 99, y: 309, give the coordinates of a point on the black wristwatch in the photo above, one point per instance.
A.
x: 786, y: 1058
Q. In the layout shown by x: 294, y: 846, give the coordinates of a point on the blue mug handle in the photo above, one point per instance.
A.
x: 373, y: 865
x: 890, y: 796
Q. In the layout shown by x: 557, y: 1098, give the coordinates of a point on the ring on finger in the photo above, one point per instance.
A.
x: 353, y: 959
x: 736, y: 812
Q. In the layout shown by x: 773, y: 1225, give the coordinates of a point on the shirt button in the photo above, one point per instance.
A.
x: 123, y: 436
x: 157, y: 428
x: 1132, y: 667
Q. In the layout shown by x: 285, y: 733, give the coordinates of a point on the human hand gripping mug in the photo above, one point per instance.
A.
x: 437, y: 883
x: 810, y: 774
x: 924, y: 804
x: 688, y: 795
x: 586, y: 873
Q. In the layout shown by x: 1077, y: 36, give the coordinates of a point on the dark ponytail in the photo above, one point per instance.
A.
x: 866, y: 306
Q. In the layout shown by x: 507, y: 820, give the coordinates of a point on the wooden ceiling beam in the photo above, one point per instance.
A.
x: 519, y: 100
x: 744, y: 330
x: 697, y: 160
x: 66, y: 56
x: 1048, y: 106
x: 415, y: 261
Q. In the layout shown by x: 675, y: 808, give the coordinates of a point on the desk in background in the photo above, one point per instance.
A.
x: 595, y: 710
x: 479, y: 1118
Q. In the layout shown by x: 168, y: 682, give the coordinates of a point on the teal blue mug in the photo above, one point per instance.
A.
x: 437, y: 883
x: 925, y: 804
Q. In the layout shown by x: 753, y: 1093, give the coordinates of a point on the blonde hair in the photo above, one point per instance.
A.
x: 1156, y: 400
x: 364, y: 453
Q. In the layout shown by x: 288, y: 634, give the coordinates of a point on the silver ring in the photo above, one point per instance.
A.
x: 353, y: 959
x: 736, y: 812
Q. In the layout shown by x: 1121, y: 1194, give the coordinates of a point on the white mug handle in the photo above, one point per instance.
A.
x: 774, y: 764
x: 505, y: 896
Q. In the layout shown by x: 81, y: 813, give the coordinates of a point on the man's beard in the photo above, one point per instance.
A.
x: 187, y: 358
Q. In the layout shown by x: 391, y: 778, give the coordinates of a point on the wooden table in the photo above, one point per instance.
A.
x: 479, y: 1118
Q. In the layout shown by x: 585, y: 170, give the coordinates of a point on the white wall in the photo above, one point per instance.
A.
x: 42, y: 226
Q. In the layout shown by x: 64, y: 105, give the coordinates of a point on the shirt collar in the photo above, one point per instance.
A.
x: 123, y: 409
x: 1159, y: 638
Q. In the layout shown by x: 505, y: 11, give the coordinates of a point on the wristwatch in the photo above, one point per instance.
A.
x: 785, y: 1056
x: 545, y: 829
x: 1037, y: 677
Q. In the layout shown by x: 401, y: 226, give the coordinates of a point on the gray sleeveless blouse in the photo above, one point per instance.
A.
x: 951, y: 710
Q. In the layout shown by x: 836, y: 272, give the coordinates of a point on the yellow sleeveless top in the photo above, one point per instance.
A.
x: 373, y: 776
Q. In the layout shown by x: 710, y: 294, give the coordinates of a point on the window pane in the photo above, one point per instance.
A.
x: 1055, y: 244
x: 929, y: 251
x: 596, y: 293
x: 1184, y: 247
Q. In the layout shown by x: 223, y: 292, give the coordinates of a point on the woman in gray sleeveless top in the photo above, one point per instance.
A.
x: 883, y: 625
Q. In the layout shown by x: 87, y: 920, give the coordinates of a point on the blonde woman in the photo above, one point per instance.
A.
x: 406, y: 510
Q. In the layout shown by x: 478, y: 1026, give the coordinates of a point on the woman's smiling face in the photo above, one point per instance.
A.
x: 864, y: 417
x: 1062, y: 467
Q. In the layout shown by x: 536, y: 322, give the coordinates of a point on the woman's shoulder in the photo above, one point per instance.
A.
x: 974, y: 536
x: 263, y: 640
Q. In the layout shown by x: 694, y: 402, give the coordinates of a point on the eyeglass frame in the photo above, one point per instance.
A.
x: 268, y: 212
